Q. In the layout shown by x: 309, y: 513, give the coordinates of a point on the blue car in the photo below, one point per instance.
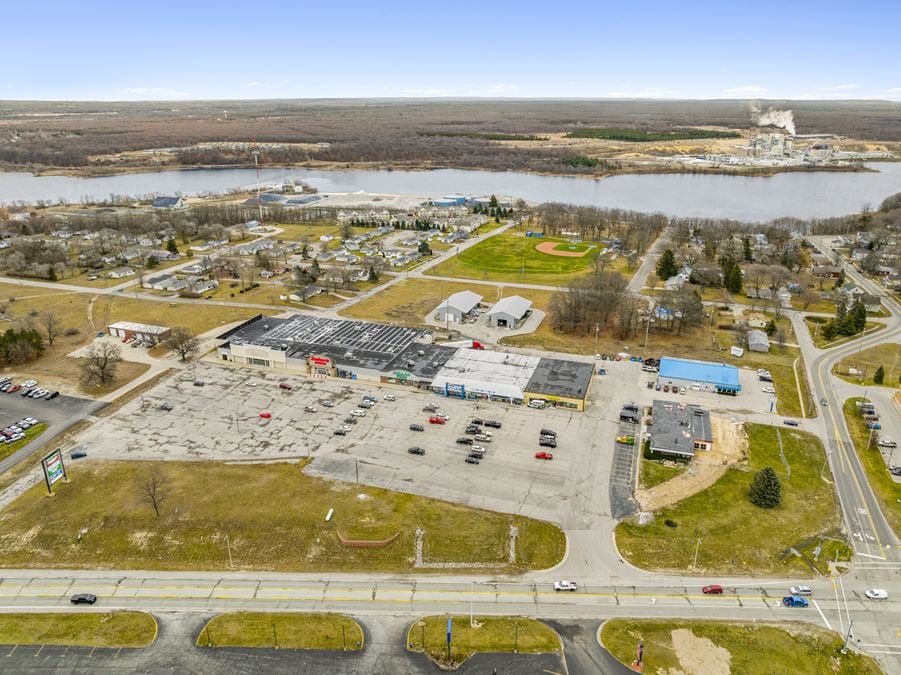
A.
x: 794, y: 601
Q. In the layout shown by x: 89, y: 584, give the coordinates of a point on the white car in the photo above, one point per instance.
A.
x: 477, y: 448
x: 887, y: 443
x: 877, y: 594
x: 768, y: 390
x: 565, y: 585
x: 390, y: 397
x: 29, y: 383
x: 800, y: 590
x: 442, y: 416
x: 358, y: 413
x: 345, y: 427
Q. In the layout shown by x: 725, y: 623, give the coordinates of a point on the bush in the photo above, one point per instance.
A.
x: 71, y: 331
x: 765, y: 491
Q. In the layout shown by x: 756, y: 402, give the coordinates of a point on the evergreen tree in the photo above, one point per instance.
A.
x: 51, y: 273
x: 858, y: 316
x: 372, y: 274
x: 747, y: 250
x: 710, y: 249
x: 314, y: 269
x: 424, y: 248
x: 841, y: 278
x: 879, y: 375
x: 770, y: 327
x: 492, y: 202
x: 733, y: 279
x: 667, y: 266
x: 171, y: 246
x: 152, y: 262
x: 765, y: 491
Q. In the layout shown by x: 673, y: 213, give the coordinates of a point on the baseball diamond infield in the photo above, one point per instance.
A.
x: 563, y: 250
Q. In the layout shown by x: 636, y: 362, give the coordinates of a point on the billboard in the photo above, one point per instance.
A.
x: 53, y: 467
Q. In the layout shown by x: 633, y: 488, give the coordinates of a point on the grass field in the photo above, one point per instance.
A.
x: 273, y: 514
x: 282, y: 630
x: 199, y: 317
x: 887, y: 491
x: 815, y: 325
x: 84, y: 629
x: 6, y: 449
x: 651, y: 473
x: 512, y: 257
x: 573, y: 248
x: 298, y: 231
x: 490, y: 634
x: 867, y: 361
x: 743, y: 538
x: 750, y: 649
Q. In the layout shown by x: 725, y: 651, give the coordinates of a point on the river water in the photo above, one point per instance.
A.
x: 797, y: 194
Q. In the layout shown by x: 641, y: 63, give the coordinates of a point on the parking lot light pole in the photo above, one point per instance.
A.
x: 694, y: 565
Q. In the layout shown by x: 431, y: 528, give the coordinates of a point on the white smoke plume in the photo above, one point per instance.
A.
x: 784, y: 119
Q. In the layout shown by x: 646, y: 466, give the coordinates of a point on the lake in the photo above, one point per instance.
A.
x: 797, y: 194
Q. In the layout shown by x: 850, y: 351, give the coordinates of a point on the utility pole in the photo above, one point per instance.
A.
x: 229, y: 546
x: 694, y: 565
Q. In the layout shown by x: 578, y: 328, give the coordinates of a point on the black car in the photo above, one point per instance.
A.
x: 472, y: 429
x: 791, y: 423
x: 475, y: 455
x: 471, y: 460
x: 339, y: 432
x: 494, y: 424
x: 896, y: 470
x: 430, y: 408
x: 548, y: 432
x: 165, y: 405
x: 415, y: 450
x: 83, y: 599
x: 547, y: 442
x: 350, y: 419
x: 78, y: 454
x: 199, y: 383
x: 26, y: 392
x: 464, y: 440
x: 477, y: 421
x: 52, y: 395
x: 417, y: 427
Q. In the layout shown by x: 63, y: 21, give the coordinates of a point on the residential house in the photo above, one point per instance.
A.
x: 158, y: 283
x: 674, y: 283
x: 210, y: 245
x: 873, y: 303
x: 121, y: 273
x: 205, y: 285
x: 826, y: 271
x: 758, y: 341
x: 756, y: 320
x: 169, y: 203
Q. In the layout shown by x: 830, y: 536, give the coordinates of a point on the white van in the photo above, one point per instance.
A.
x: 538, y: 403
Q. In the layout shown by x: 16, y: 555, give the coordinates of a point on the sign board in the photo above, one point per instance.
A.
x: 448, y: 631
x: 402, y: 375
x: 320, y: 360
x: 53, y: 467
x: 737, y: 351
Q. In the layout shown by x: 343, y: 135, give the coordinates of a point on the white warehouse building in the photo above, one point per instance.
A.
x: 453, y: 308
x: 509, y: 311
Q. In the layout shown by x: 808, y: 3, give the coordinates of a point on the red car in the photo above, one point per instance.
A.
x: 712, y: 589
x: 437, y: 420
x: 285, y: 385
x: 544, y: 455
x: 13, y: 389
x: 266, y: 415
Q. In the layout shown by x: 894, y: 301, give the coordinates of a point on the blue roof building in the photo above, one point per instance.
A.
x: 718, y: 377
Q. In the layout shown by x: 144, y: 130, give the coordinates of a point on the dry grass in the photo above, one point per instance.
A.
x: 282, y: 630
x: 84, y: 629
x: 867, y: 361
x: 274, y: 515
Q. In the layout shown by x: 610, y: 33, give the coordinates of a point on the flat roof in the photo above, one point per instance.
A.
x: 677, y: 426
x: 364, y: 344
x: 556, y: 377
x: 720, y: 374
x: 514, y: 305
x: 487, y: 372
x: 138, y: 327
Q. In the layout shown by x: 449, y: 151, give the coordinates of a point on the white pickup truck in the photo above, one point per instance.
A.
x: 565, y: 586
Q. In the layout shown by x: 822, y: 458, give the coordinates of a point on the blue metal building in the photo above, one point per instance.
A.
x: 719, y: 377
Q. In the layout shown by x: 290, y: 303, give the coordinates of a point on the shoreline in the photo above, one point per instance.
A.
x: 749, y: 172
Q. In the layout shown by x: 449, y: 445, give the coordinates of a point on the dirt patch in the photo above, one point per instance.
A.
x: 549, y: 247
x: 730, y: 446
x: 699, y: 655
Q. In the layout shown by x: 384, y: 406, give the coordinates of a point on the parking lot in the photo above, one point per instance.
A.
x: 222, y: 421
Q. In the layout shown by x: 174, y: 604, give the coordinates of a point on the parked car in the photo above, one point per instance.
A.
x: 78, y: 454
x: 417, y: 427
x: 52, y: 395
x: 328, y: 404
x: 477, y: 448
x: 791, y: 423
x: 712, y: 589
x: 547, y: 442
x: 390, y: 397
x: 895, y: 470
x: 626, y: 440
x: 436, y: 420
x: 309, y: 408
x: 285, y: 385
x: 431, y: 407
x: 768, y: 390
x: 877, y: 594
x: 472, y: 429
x: 416, y: 450
x: 494, y: 424
x: 199, y: 383
x: 544, y: 455
x: 800, y: 590
x: 485, y: 438
x: 548, y: 432
x: 666, y: 387
x: 464, y: 440
x: 350, y: 419
x: 476, y: 455
x: 650, y: 385
x: 339, y: 432
x: 13, y: 389
x: 477, y: 422
x: 471, y: 460
x: 565, y: 585
x: 165, y: 405
x: 345, y: 427
x: 442, y: 416
x: 873, y: 425
x: 83, y: 599
x: 358, y: 413
x: 794, y: 601
x: 657, y: 387
x: 30, y: 383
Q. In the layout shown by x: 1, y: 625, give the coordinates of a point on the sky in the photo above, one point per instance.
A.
x: 194, y: 49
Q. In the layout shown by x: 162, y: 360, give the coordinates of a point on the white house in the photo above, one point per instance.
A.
x: 758, y: 341
x: 121, y: 273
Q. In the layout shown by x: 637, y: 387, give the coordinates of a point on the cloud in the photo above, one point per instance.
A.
x: 256, y: 84
x: 647, y: 92
x: 748, y: 90
x: 151, y: 93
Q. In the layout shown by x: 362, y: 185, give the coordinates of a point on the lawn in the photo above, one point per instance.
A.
x: 84, y: 629
x: 282, y: 630
x: 197, y: 316
x: 867, y: 361
x: 6, y: 449
x: 409, y: 301
x: 512, y: 257
x: 887, y: 491
x: 651, y: 472
x: 490, y: 634
x: 743, y: 538
x: 751, y: 649
x: 297, y: 231
x: 273, y: 514
x: 815, y: 326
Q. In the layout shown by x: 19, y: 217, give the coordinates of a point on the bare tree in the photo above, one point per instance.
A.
x: 154, y: 488
x: 780, y: 338
x: 99, y: 365
x: 51, y: 326
x: 183, y: 341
